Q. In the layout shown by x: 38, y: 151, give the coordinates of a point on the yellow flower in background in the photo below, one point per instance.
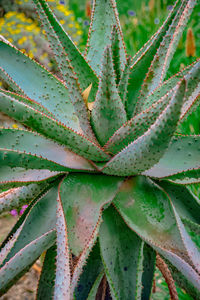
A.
x: 24, y: 32
x: 15, y: 126
x: 22, y: 40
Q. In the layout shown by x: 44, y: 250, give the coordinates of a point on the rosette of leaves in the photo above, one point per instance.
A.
x: 100, y: 163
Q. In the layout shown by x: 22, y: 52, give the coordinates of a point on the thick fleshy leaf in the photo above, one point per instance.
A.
x: 149, y: 262
x: 39, y: 85
x: 51, y: 128
x: 187, y: 177
x: 8, y: 80
x: 165, y: 52
x: 20, y: 223
x: 143, y: 59
x: 37, y: 152
x: 15, y: 177
x: 148, y: 149
x: 137, y: 126
x: 83, y: 258
x: 55, y: 32
x: 183, y: 282
x: 115, y: 47
x: 5, y: 249
x: 123, y: 83
x: 187, y: 205
x: 16, y: 197
x: 91, y: 275
x: 191, y: 74
x: 100, y: 33
x: 122, y: 256
x: 182, y: 157
x: 192, y: 93
x: 36, y: 222
x: 95, y: 288
x: 83, y: 197
x: 47, y: 278
x: 22, y: 261
x: 63, y: 274
x: 193, y: 229
x: 71, y: 81
x: 32, y: 103
x: 108, y: 113
x: 150, y: 213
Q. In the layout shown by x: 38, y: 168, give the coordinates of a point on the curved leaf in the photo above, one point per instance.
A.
x: 148, y: 149
x: 56, y: 37
x: 36, y: 222
x: 143, y: 59
x: 83, y: 197
x: 191, y: 75
x: 186, y: 204
x: 8, y: 80
x: 16, y: 197
x: 183, y: 282
x: 23, y: 260
x: 122, y: 256
x: 137, y: 126
x: 63, y: 274
x: 34, y: 145
x: 161, y: 61
x: 182, y: 157
x: 46, y: 283
x: 51, y: 128
x: 39, y: 85
x: 149, y: 212
x: 91, y: 275
x: 80, y: 66
x: 100, y: 33
x: 108, y: 113
x: 15, y: 177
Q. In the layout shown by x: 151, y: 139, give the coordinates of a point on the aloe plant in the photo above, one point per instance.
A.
x: 101, y: 162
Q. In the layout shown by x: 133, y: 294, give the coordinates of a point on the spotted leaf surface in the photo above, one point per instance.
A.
x: 167, y: 47
x: 51, y: 128
x: 83, y: 197
x: 17, y: 197
x: 108, y: 113
x: 23, y: 260
x: 150, y: 147
x: 63, y: 274
x: 104, y: 16
x: 30, y: 145
x: 182, y: 157
x: 143, y: 59
x: 117, y: 243
x: 55, y: 33
x: 29, y: 75
x: 34, y: 225
x: 15, y: 177
x: 153, y: 217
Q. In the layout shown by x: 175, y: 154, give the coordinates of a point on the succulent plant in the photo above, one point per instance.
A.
x: 101, y: 162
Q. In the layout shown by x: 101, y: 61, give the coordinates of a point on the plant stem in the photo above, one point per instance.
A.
x: 162, y: 266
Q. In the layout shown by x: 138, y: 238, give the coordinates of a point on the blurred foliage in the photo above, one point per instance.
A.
x: 20, y: 26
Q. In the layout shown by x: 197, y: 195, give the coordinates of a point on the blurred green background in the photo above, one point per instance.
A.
x: 139, y: 20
